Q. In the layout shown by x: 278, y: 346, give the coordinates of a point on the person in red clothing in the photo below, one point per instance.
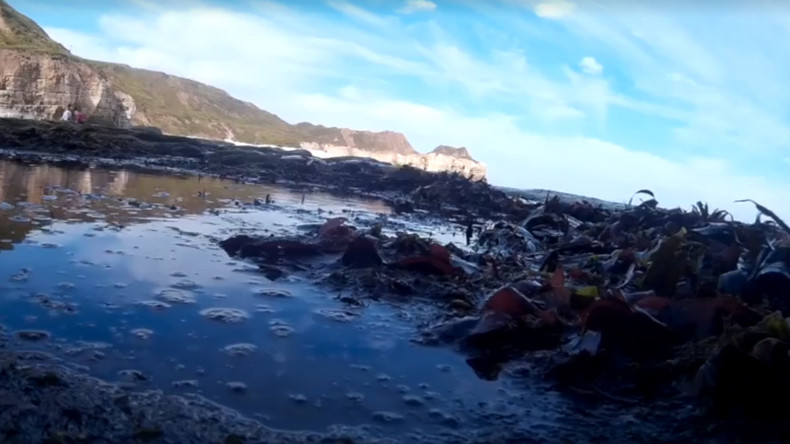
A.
x: 80, y: 117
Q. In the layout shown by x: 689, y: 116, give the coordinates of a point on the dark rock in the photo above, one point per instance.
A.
x: 508, y: 300
x: 632, y: 333
x: 436, y: 262
x: 362, y: 253
x: 248, y: 247
x: 271, y: 272
x: 735, y: 381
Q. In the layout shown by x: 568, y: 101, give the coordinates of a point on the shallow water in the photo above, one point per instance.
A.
x: 121, y: 273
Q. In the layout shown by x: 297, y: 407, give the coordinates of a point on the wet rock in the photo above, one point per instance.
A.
x: 388, y: 417
x: 281, y: 328
x: 622, y: 329
x: 354, y: 396
x: 771, y: 282
x: 336, y: 315
x: 142, y: 333
x: 186, y: 284
x: 21, y: 276
x: 335, y: 236
x: 186, y: 384
x: 273, y: 293
x: 413, y: 400
x: 508, y: 300
x: 487, y: 368
x: 225, y: 315
x: 771, y: 350
x: 362, y: 253
x: 176, y: 296
x: 32, y: 335
x: 240, y: 350
x: 733, y: 282
x: 248, y: 247
x: 735, y: 381
x: 156, y: 305
x: 298, y: 398
x: 271, y: 272
x: 451, y: 331
x: 703, y: 317
x: 236, y: 387
x: 132, y: 375
x: 436, y: 262
x: 504, y: 240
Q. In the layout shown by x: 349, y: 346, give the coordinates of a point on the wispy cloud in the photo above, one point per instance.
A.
x: 591, y: 66
x: 554, y: 9
x: 357, y: 13
x: 682, y: 109
x: 413, y: 6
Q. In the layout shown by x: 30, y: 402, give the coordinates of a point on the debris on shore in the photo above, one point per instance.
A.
x: 635, y: 306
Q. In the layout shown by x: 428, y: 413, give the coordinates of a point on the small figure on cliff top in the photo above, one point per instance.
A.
x: 67, y: 115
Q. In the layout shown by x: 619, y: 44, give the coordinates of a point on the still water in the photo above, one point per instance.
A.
x: 120, y: 272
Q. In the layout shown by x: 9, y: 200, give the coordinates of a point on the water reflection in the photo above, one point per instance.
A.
x: 134, y: 285
x: 33, y: 196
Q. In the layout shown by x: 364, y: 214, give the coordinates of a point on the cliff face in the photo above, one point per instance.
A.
x: 446, y: 158
x: 40, y: 86
x: 433, y: 161
x: 384, y: 142
x: 39, y: 78
x: 458, y: 153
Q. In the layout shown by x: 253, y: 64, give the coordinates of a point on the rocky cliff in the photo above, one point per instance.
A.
x: 39, y: 78
x: 447, y: 158
x: 40, y: 86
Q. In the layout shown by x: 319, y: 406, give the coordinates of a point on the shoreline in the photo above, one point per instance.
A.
x: 148, y: 150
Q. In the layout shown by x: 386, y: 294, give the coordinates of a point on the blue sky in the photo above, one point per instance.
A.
x: 596, y: 97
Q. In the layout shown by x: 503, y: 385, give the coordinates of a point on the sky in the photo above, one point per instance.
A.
x: 599, y: 98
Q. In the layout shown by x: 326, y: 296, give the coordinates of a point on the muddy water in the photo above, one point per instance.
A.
x: 120, y: 273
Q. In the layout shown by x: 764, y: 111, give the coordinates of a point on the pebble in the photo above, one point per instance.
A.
x: 236, y: 387
x: 238, y: 350
x: 32, y: 335
x: 354, y: 396
x: 272, y: 293
x: 175, y: 296
x: 142, y: 333
x: 225, y: 315
x: 413, y: 400
x: 185, y: 384
x: 298, y: 398
x: 132, y: 375
x: 388, y: 417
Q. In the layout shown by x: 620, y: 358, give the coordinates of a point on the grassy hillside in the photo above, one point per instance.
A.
x: 183, y: 106
x: 20, y: 32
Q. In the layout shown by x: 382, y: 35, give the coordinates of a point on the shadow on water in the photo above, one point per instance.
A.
x: 122, y: 271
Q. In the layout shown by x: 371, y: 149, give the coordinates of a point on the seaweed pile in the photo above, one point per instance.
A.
x: 640, y: 306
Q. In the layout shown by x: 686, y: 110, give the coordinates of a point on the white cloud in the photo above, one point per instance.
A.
x: 357, y: 13
x: 721, y: 76
x: 413, y: 6
x: 284, y: 60
x: 581, y: 165
x: 591, y: 66
x: 555, y: 9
